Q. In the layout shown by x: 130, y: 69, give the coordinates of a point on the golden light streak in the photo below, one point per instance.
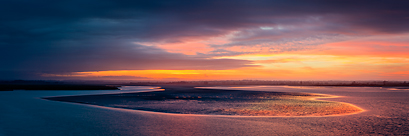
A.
x: 370, y: 58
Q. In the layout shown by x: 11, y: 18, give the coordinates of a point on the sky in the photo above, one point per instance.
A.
x: 162, y: 40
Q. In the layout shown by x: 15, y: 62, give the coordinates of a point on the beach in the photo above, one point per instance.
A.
x: 211, y: 101
x: 26, y: 113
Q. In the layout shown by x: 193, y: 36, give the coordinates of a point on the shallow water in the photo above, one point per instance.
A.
x: 24, y: 113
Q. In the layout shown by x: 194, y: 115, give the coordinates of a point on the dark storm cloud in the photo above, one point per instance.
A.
x: 88, y: 35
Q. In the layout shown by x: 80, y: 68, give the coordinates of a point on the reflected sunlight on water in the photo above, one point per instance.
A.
x: 23, y: 113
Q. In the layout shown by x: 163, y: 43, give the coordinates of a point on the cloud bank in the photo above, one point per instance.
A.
x: 88, y: 35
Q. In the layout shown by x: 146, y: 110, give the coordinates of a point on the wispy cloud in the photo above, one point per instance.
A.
x: 88, y: 35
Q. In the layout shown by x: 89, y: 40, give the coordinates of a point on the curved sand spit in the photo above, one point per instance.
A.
x: 220, y: 102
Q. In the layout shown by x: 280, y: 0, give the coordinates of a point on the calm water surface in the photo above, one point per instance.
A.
x: 25, y: 113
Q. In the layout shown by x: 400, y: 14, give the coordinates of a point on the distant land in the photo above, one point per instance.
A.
x: 113, y: 85
x: 402, y: 84
x: 51, y: 85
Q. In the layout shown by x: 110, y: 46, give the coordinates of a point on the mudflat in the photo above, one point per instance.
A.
x: 190, y: 100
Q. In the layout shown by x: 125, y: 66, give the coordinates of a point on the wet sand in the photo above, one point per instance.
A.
x: 189, y: 100
x: 24, y: 113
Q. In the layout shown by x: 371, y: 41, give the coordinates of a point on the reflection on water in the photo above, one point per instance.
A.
x: 24, y: 113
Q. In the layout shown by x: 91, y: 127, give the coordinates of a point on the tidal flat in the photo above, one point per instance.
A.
x: 26, y: 113
x: 190, y: 100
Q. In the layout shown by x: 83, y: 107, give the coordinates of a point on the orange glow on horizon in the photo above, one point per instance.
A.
x: 367, y: 58
x: 289, y: 72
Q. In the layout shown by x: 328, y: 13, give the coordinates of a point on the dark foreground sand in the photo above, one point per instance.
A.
x: 189, y: 100
x: 23, y: 113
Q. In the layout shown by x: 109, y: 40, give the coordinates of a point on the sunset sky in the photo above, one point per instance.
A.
x: 204, y: 40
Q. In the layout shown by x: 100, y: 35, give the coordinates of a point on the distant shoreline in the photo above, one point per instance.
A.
x: 106, y: 85
x: 404, y: 84
x: 56, y: 87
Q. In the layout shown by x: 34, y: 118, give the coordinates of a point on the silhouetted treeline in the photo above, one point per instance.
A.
x: 291, y: 83
x: 49, y: 85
